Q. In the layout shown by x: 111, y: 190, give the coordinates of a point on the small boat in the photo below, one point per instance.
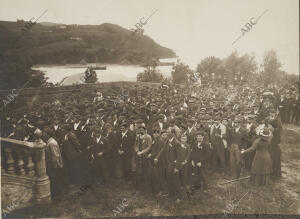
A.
x: 166, y: 64
x: 99, y: 68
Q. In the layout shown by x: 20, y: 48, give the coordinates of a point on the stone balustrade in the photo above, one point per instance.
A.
x: 23, y: 163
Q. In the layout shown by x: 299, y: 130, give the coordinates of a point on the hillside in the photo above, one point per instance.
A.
x: 49, y: 43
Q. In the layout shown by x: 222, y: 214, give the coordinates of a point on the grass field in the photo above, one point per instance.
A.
x: 281, y: 197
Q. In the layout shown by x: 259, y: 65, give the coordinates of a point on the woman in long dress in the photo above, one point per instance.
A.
x: 275, y: 151
x: 261, y: 168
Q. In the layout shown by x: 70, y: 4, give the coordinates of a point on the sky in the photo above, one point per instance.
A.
x: 194, y: 29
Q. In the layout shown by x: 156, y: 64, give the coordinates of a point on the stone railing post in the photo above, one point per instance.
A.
x: 43, y: 193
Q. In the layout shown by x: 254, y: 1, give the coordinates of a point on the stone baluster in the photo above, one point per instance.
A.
x: 20, y: 162
x: 2, y: 169
x: 30, y: 165
x: 43, y: 183
x: 10, y: 161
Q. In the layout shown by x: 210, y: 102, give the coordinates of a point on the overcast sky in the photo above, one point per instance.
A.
x: 194, y: 29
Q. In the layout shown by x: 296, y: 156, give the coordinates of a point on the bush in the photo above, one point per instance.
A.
x: 150, y: 74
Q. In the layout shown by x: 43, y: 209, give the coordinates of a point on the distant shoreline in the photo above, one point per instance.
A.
x: 81, y: 65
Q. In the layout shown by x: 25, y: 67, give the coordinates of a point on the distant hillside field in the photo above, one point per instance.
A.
x: 50, y: 43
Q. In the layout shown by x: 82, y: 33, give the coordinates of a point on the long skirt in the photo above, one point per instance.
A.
x: 259, y: 179
x: 275, y: 153
x: 235, y: 160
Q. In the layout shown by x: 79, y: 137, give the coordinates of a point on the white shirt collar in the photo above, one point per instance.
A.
x: 199, y: 144
x: 98, y: 139
x: 249, y: 125
x: 51, y: 140
x: 76, y: 125
x: 124, y: 133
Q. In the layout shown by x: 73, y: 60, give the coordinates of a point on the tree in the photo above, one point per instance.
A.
x: 90, y: 76
x: 210, y: 65
x: 239, y: 68
x: 16, y: 72
x: 150, y: 74
x: 271, y: 67
x: 181, y: 72
x: 231, y: 66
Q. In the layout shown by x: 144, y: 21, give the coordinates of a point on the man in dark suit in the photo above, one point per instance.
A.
x: 98, y: 145
x: 142, y: 146
x: 57, y: 131
x: 183, y: 161
x: 191, y: 132
x: 124, y: 147
x: 249, y: 138
x: 274, y: 149
x: 155, y: 167
x: 225, y: 133
x: 218, y: 146
x: 237, y: 135
x: 72, y: 152
x: 160, y: 124
x: 173, y: 180
x: 199, y: 161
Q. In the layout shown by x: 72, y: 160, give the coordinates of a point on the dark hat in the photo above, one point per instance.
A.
x: 66, y: 127
x: 139, y: 121
x: 124, y: 124
x: 142, y: 126
x: 172, y: 121
x: 161, y: 116
x: 200, y: 133
x: 156, y: 130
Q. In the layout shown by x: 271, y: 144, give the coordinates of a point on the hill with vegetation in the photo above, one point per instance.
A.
x: 50, y: 43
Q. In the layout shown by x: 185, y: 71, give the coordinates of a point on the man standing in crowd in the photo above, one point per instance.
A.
x: 199, y: 160
x: 143, y: 143
x: 125, y: 150
x: 155, y: 168
x: 72, y: 153
x: 54, y: 163
x: 218, y: 146
x: 237, y: 134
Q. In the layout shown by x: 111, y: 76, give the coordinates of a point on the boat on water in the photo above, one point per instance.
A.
x: 166, y: 64
x: 99, y: 68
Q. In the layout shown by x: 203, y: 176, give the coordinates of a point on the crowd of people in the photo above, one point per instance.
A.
x: 165, y: 140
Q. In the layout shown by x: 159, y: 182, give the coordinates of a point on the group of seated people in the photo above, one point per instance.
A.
x: 165, y: 140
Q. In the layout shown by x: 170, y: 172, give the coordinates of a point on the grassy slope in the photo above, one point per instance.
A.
x: 279, y: 198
